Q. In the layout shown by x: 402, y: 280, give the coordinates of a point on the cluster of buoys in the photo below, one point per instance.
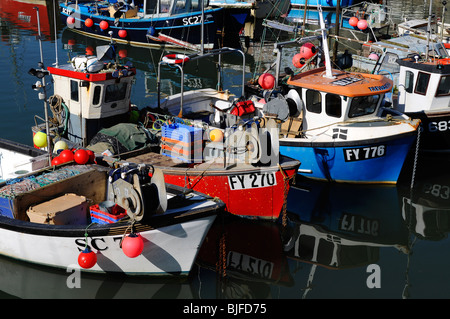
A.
x: 359, y: 23
x: 80, y: 156
x: 307, y: 51
x: 132, y: 246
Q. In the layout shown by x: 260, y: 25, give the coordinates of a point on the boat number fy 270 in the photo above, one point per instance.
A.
x: 363, y: 153
x: 253, y: 180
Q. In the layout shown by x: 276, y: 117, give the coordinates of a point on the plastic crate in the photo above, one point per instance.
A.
x: 182, y: 133
x: 100, y: 217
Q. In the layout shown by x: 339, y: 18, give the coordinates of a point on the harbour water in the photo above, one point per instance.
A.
x: 334, y: 242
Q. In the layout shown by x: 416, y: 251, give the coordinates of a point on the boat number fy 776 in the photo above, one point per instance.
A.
x: 363, y: 153
x: 253, y: 180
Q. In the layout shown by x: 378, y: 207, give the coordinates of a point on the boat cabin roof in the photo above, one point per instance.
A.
x: 438, y: 66
x: 343, y: 83
x: 107, y: 73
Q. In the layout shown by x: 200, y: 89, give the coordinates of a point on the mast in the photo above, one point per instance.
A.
x: 328, y: 73
x: 429, y: 29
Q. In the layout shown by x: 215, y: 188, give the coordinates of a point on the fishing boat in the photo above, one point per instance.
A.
x: 419, y: 27
x: 214, y: 152
x: 334, y: 121
x: 424, y: 86
x: 176, y: 23
x: 73, y: 216
x: 94, y: 98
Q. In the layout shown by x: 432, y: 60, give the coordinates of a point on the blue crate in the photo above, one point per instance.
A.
x: 182, y: 133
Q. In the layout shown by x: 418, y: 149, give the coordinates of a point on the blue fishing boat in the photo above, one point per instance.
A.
x: 334, y: 121
x: 173, y: 23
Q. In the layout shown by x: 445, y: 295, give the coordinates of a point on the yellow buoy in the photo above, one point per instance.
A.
x: 40, y: 139
x: 216, y: 135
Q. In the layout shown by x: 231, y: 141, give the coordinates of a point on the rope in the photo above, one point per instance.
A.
x: 285, y: 194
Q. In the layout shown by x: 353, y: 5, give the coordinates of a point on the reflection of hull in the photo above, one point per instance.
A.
x: 245, y: 250
x: 30, y: 282
x: 23, y: 14
x: 345, y: 225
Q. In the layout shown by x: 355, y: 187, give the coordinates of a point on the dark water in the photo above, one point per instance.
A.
x: 334, y: 242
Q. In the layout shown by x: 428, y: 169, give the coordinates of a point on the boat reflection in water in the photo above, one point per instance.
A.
x: 341, y: 226
x: 245, y: 257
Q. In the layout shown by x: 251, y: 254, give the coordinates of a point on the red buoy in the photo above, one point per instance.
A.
x: 91, y: 156
x: 362, y: 24
x: 123, y: 33
x: 132, y: 245
x: 87, y: 258
x: 266, y: 81
x: 298, y: 60
x: 56, y: 161
x: 89, y: 22
x: 70, y: 20
x: 81, y: 156
x: 308, y: 50
x: 66, y: 156
x: 353, y: 21
x: 104, y: 25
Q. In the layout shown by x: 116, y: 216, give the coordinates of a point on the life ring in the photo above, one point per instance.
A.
x: 175, y: 58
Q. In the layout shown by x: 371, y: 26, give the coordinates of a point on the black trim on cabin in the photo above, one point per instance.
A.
x: 431, y: 68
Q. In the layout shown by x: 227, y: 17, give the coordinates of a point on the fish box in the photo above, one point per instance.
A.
x: 69, y: 209
x: 83, y: 180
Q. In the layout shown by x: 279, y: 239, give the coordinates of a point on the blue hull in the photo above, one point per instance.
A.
x: 323, y: 3
x: 376, y: 162
x: 185, y: 27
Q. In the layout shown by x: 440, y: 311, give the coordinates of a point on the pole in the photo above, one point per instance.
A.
x: 336, y: 30
x: 304, y: 18
x: 429, y: 29
x: 41, y: 63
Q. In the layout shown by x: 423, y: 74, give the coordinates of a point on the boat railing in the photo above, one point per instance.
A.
x: 180, y: 60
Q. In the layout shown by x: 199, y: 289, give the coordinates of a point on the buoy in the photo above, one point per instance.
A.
x: 216, y: 135
x: 132, y: 245
x: 104, y: 25
x: 353, y: 21
x: 308, y: 50
x: 373, y: 56
x: 91, y: 156
x: 70, y: 20
x: 266, y: 81
x: 90, y: 50
x: 123, y: 53
x: 123, y: 33
x: 81, y: 156
x: 56, y: 161
x: 66, y: 156
x: 87, y: 258
x: 40, y: 139
x: 298, y: 60
x: 175, y: 58
x: 60, y: 146
x: 71, y: 42
x: 88, y: 22
x: 362, y: 24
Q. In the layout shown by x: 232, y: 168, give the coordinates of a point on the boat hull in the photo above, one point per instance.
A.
x: 258, y: 192
x: 185, y: 27
x: 370, y: 161
x: 169, y: 250
x: 435, y: 133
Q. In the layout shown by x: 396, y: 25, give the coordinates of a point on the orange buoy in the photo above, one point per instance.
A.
x: 298, y: 60
x: 308, y: 50
x: 123, y: 33
x: 70, y: 20
x: 353, y: 21
x: 362, y: 24
x: 89, y: 22
x: 104, y: 25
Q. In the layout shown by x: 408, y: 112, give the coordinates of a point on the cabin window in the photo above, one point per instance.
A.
x: 444, y: 86
x: 313, y: 101
x: 116, y: 92
x: 97, y: 92
x: 363, y: 105
x: 333, y: 105
x: 422, y: 83
x: 409, y: 81
x: 74, y: 94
